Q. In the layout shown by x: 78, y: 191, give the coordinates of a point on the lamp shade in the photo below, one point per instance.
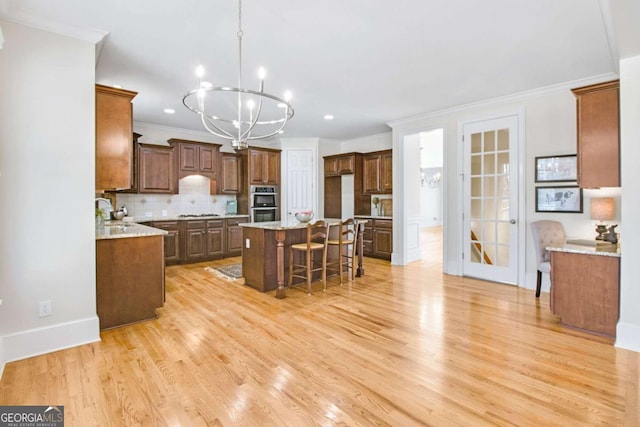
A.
x: 602, y: 208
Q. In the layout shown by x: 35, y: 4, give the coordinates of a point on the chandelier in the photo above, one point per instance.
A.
x: 221, y: 108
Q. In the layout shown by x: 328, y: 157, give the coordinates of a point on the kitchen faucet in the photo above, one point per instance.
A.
x: 105, y: 206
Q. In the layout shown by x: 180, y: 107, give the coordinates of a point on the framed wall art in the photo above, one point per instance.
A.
x: 557, y: 168
x: 559, y: 199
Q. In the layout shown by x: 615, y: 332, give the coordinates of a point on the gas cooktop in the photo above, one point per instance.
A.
x: 196, y: 215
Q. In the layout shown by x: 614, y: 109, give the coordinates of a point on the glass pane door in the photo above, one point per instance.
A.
x: 490, y: 202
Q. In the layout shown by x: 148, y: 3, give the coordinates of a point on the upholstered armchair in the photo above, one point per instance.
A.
x: 546, y: 233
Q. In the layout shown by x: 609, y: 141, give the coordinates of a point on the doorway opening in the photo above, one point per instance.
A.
x: 431, y: 195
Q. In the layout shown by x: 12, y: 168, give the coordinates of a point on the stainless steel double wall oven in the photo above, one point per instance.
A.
x: 264, y: 203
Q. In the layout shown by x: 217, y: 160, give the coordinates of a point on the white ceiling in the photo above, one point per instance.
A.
x: 366, y: 62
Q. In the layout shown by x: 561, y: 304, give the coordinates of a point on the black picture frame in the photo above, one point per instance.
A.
x: 563, y: 168
x: 559, y: 199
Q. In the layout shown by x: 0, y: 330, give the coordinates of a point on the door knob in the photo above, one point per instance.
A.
x: 512, y: 221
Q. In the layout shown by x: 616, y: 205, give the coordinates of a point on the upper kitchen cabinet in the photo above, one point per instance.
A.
x: 157, y: 169
x: 196, y: 158
x: 114, y: 138
x: 377, y: 172
x: 340, y: 164
x: 598, y: 135
x: 264, y: 166
x: 231, y: 165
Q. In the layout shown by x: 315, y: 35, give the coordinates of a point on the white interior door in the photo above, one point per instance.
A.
x: 490, y: 227
x: 300, y: 183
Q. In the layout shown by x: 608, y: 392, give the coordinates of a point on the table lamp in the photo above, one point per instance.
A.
x: 601, y: 210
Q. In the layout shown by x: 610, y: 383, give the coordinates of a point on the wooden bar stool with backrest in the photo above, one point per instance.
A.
x: 317, y: 235
x: 348, y: 233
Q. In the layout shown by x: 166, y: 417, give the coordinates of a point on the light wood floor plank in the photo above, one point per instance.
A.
x: 401, y: 346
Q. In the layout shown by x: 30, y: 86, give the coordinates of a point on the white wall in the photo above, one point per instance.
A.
x: 367, y: 144
x: 47, y: 149
x: 628, y: 331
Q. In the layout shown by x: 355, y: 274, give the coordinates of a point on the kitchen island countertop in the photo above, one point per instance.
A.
x: 372, y: 217
x: 291, y: 225
x: 126, y: 229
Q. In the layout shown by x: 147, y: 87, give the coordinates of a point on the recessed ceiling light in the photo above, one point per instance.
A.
x: 117, y: 86
x: 328, y: 116
x: 169, y: 111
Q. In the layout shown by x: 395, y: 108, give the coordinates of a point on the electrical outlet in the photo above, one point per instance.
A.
x: 247, y: 243
x: 45, y: 308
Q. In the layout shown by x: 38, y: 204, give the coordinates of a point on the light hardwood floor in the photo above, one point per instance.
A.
x: 401, y: 346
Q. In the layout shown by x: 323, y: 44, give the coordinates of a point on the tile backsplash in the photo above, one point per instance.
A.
x: 193, y: 198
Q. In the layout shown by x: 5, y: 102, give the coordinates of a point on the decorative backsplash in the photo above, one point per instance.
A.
x: 193, y: 198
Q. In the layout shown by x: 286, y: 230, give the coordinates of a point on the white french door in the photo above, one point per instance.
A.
x: 490, y: 194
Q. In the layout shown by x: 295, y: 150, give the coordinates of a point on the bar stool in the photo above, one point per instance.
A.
x: 345, y: 242
x: 317, y: 234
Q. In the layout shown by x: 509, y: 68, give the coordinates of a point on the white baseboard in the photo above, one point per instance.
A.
x: 34, y: 342
x: 396, y: 259
x: 628, y: 336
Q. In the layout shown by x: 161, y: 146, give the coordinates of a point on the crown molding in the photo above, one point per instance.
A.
x: 519, y: 96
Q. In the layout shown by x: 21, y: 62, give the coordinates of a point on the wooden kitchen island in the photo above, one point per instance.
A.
x: 129, y: 273
x: 265, y: 251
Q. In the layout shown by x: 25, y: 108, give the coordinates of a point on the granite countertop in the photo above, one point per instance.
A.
x: 289, y: 225
x: 125, y: 229
x: 372, y: 217
x: 141, y: 219
x: 586, y: 250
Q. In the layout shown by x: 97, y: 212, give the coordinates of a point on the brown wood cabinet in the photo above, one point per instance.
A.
x: 114, y: 138
x: 198, y: 240
x: 264, y: 166
x: 378, y: 238
x: 598, y: 135
x: 585, y: 291
x: 129, y: 279
x: 340, y: 164
x: 204, y: 240
x: 157, y: 169
x: 196, y: 158
x: 171, y: 240
x: 231, y: 165
x: 378, y: 172
x: 233, y: 233
x: 215, y: 238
